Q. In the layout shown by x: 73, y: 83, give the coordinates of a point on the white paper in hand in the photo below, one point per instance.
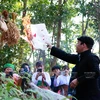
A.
x: 40, y: 36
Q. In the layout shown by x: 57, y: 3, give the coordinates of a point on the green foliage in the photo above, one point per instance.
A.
x: 9, y: 91
x: 16, y: 54
x: 10, y: 5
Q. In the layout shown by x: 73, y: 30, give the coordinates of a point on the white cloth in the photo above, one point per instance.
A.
x: 47, y: 76
x: 46, y: 94
x: 61, y: 80
x: 40, y: 36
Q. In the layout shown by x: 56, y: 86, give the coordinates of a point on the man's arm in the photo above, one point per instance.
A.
x: 71, y: 58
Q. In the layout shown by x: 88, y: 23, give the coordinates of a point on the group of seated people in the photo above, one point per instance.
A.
x: 58, y: 82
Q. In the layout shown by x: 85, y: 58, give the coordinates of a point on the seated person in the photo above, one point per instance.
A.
x: 9, y: 71
x: 25, y: 72
x: 63, y: 80
x: 41, y: 78
x: 56, y: 73
x: 25, y: 68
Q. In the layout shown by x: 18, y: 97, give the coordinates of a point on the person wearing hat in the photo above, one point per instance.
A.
x: 9, y: 71
x: 41, y: 78
x: 85, y: 80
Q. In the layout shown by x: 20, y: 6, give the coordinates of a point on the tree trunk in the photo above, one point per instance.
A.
x: 42, y: 55
x: 24, y: 8
x: 83, y: 25
x: 97, y: 7
x: 99, y: 39
x: 24, y: 13
x: 54, y: 61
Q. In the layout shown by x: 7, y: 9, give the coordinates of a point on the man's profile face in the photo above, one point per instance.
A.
x: 79, y: 47
x: 56, y: 72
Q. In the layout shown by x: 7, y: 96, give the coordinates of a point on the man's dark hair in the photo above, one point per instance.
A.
x: 87, y: 40
x: 24, y: 64
x: 65, y: 67
x: 55, y: 67
x: 39, y: 63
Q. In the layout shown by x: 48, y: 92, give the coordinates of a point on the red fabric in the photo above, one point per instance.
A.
x: 17, y: 79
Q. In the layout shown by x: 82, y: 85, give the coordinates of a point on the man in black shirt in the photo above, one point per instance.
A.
x: 86, y: 68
